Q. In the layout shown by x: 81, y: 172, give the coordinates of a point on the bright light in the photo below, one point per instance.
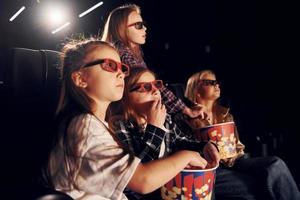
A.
x: 52, y: 15
x: 61, y: 27
x: 17, y: 13
x: 91, y: 9
x: 56, y: 15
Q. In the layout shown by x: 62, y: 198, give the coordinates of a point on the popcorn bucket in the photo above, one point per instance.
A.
x: 222, y: 135
x: 190, y: 184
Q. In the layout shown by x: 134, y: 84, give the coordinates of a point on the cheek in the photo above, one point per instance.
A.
x: 133, y: 35
x: 139, y: 98
x: 100, y: 83
x: 205, y: 92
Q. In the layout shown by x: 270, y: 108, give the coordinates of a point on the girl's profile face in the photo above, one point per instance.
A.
x: 136, y: 32
x: 103, y: 85
x: 141, y: 101
x: 208, y: 91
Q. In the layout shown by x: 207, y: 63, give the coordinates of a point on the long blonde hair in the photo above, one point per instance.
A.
x: 115, y: 28
x: 193, y: 84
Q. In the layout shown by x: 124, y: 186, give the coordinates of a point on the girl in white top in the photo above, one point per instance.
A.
x: 87, y: 162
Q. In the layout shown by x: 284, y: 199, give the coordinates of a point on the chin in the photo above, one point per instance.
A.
x: 143, y: 42
x: 117, y: 98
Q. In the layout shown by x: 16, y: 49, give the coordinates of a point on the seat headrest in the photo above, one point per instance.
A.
x: 36, y: 76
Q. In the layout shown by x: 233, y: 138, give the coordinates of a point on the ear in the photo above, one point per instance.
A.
x: 79, y: 79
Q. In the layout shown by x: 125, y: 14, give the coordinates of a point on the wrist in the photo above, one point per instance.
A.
x: 185, y: 110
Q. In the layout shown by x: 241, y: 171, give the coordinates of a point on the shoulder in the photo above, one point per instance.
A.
x: 121, y: 47
x: 118, y: 123
x: 87, y: 124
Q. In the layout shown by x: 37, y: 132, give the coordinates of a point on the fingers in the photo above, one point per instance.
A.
x: 159, y: 105
x: 206, y: 116
x: 188, y: 166
x: 201, y: 114
x: 202, y: 163
x: 155, y: 103
x: 212, y: 155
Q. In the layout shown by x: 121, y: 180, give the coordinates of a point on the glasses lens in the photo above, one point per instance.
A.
x: 213, y: 82
x: 209, y: 82
x: 158, y: 84
x: 125, y: 69
x: 110, y: 65
x: 147, y: 87
x: 139, y: 25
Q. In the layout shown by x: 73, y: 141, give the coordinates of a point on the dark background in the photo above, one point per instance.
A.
x: 250, y: 44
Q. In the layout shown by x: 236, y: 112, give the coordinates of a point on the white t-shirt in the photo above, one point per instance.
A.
x: 103, y: 171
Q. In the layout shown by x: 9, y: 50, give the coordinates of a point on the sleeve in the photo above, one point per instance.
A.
x: 172, y: 103
x: 182, y: 141
x: 179, y: 139
x: 145, y: 146
x: 105, y: 168
x: 152, y: 138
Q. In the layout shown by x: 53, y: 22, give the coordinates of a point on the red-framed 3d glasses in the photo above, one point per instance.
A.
x: 147, y: 86
x: 109, y: 65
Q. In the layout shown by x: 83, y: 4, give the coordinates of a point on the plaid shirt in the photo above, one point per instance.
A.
x: 128, y: 57
x: 173, y: 104
x: 146, y: 143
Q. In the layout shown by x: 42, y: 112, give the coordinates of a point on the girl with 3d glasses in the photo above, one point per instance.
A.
x: 238, y: 176
x: 126, y: 29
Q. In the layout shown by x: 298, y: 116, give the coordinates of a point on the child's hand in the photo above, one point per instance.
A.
x: 197, y: 161
x: 157, y: 114
x: 197, y: 111
x: 211, y: 154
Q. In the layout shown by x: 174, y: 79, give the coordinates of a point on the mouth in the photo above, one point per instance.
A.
x: 120, y: 85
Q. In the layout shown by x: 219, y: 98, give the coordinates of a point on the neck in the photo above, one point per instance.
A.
x: 208, y: 104
x: 99, y: 110
x: 132, y: 45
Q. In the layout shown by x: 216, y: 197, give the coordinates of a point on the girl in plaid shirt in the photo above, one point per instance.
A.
x: 126, y: 29
x: 145, y: 127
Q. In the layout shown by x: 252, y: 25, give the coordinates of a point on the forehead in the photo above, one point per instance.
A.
x: 134, y: 17
x: 209, y: 76
x: 101, y: 52
x: 146, y: 77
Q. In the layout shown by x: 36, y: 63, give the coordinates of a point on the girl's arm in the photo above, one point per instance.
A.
x: 172, y: 103
x: 154, y: 174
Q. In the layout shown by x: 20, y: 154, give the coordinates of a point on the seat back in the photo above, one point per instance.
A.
x: 33, y: 81
x: 36, y: 77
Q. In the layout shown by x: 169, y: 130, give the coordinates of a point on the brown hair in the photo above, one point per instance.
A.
x: 73, y: 101
x: 124, y: 109
x: 115, y: 28
x: 72, y: 56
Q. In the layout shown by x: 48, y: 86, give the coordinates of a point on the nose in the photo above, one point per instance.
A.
x: 217, y: 86
x: 144, y: 27
x: 155, y: 91
x: 120, y: 74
